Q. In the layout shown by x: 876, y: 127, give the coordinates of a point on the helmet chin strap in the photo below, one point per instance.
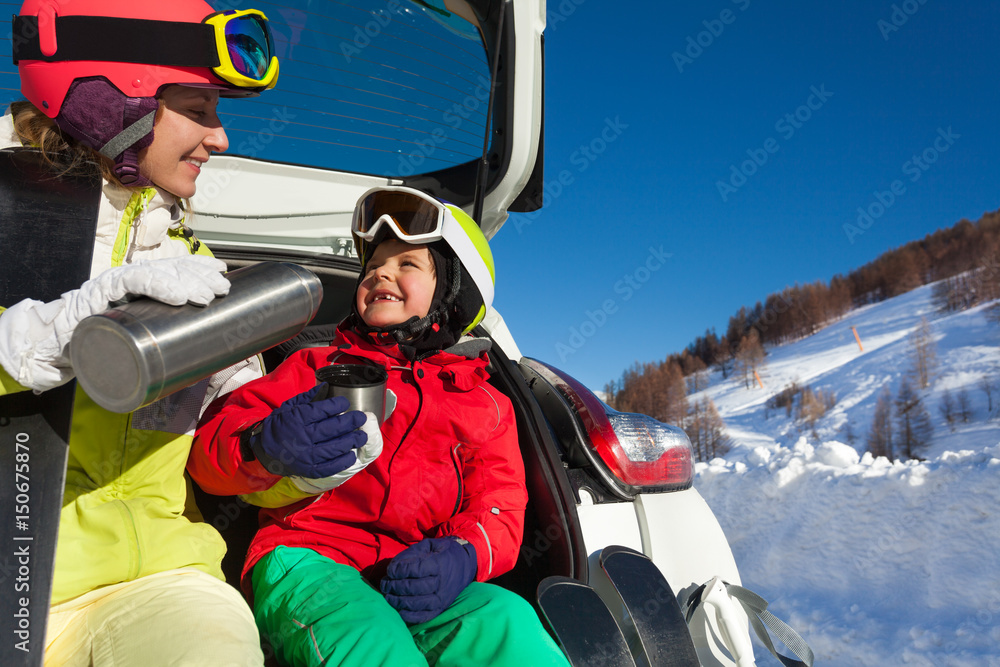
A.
x: 405, y: 334
x: 122, y: 147
x: 397, y: 333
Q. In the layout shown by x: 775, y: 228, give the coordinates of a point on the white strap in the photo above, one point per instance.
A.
x: 761, y: 620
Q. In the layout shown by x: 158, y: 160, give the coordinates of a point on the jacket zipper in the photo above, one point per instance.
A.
x: 402, y: 440
x: 458, y: 476
x: 136, y: 207
x: 136, y: 221
x: 135, y: 552
x: 128, y: 518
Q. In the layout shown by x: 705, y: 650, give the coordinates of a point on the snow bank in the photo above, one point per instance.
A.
x: 874, y: 563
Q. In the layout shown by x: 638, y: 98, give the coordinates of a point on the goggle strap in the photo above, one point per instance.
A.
x: 136, y: 41
x: 469, y: 255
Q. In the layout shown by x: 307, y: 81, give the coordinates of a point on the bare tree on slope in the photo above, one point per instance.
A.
x: 923, y: 354
x: 880, y: 436
x: 915, y: 426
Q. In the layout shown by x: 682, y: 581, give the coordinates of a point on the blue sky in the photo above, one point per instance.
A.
x: 700, y: 156
x: 712, y: 153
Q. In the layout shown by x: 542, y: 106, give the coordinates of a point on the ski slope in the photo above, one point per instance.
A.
x: 872, y: 562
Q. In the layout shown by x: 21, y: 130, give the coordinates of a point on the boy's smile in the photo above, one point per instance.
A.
x: 399, y: 284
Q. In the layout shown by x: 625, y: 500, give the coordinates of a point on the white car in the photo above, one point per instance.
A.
x: 399, y: 93
x: 376, y: 92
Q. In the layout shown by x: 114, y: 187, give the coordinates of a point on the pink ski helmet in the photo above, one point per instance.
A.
x: 96, y: 66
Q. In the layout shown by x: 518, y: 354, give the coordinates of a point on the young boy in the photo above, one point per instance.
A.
x: 374, y: 543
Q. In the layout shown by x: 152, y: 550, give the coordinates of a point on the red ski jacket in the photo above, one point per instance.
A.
x: 450, y: 464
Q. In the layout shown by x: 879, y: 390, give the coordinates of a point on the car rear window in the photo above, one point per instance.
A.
x: 391, y: 88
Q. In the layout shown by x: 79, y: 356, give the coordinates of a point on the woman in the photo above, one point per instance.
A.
x: 137, y: 573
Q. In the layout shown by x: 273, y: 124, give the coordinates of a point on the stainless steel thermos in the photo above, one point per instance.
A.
x: 139, y: 352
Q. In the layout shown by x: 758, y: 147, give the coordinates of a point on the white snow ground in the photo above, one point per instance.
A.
x: 872, y: 562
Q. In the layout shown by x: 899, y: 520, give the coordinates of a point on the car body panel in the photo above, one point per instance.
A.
x: 245, y: 202
x: 681, y: 535
x: 702, y: 555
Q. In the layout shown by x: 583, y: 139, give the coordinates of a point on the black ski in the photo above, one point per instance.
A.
x: 652, y: 606
x: 582, y: 624
x: 47, y: 228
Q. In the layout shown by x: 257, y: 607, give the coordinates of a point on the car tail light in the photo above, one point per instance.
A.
x: 639, y: 451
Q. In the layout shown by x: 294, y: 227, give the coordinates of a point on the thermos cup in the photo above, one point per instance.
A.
x: 361, y: 384
x: 139, y: 352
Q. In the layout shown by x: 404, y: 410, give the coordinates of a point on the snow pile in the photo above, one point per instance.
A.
x: 872, y: 562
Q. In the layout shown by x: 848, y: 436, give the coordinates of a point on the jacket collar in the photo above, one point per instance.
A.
x: 158, y: 210
x: 462, y: 365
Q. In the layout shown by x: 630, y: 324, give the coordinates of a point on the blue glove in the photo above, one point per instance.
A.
x: 307, y: 439
x: 425, y: 579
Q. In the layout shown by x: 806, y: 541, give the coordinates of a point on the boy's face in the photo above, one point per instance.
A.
x: 399, y: 283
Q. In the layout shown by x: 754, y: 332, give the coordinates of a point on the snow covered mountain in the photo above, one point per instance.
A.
x: 872, y: 562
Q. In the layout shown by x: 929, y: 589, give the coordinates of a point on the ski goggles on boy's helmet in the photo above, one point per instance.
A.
x: 417, y: 218
x: 235, y: 46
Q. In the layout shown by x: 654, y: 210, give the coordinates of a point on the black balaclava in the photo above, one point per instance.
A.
x: 455, y: 303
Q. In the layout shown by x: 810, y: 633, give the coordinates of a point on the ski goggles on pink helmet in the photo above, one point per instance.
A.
x: 141, y: 51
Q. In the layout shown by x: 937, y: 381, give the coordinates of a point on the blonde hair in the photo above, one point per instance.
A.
x: 64, y: 154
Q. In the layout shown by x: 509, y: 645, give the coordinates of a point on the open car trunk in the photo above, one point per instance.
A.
x: 445, y: 96
x: 552, y: 535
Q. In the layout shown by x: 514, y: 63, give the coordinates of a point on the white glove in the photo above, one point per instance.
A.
x: 366, y: 454
x: 34, y: 335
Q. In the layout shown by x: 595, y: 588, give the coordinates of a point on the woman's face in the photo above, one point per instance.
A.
x: 186, y: 133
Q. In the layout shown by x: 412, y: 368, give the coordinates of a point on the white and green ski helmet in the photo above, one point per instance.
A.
x: 417, y: 218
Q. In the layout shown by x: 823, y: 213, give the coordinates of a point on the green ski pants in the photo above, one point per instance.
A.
x: 317, y: 612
